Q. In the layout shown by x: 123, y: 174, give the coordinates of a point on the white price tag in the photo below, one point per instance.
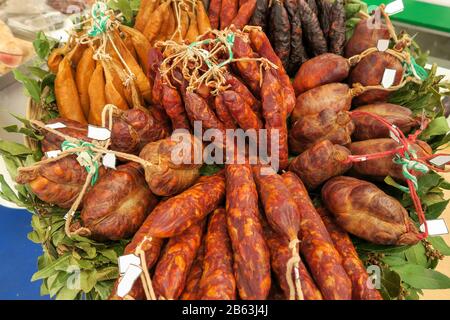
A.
x: 440, y: 160
x: 435, y: 227
x: 394, y: 7
x: 109, y: 160
x: 388, y: 78
x: 53, y: 153
x: 127, y: 260
x: 126, y: 283
x: 98, y: 133
x: 57, y: 125
x: 383, y: 44
x: 393, y: 135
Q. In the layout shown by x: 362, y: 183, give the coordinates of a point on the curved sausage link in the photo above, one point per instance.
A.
x: 251, y: 255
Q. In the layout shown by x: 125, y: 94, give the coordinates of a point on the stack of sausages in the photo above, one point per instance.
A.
x: 222, y: 245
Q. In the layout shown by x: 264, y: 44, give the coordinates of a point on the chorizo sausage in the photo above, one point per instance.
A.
x: 262, y: 46
x: 190, y: 291
x: 362, y: 209
x: 228, y: 11
x: 240, y: 111
x: 316, y: 246
x: 214, y: 13
x: 379, y: 168
x: 283, y: 216
x: 178, y: 213
x: 366, y: 127
x: 249, y: 70
x: 176, y: 259
x: 326, y: 125
x: 370, y: 71
x: 217, y: 282
x: 280, y: 208
x: 350, y: 260
x: 321, y: 162
x: 174, y: 107
x: 117, y: 205
x: 198, y: 110
x: 279, y: 256
x: 275, y: 115
x: 320, y: 70
x: 241, y: 89
x: 334, y: 96
x: 251, y: 255
x: 223, y: 113
x: 244, y: 14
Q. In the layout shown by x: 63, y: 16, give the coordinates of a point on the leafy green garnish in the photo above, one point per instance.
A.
x: 128, y: 8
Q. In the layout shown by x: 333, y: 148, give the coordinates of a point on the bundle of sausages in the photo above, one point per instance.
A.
x: 234, y: 255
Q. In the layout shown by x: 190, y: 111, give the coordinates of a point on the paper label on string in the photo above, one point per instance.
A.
x: 126, y: 283
x: 394, y: 7
x: 388, y: 78
x: 393, y: 136
x: 53, y: 153
x: 57, y: 125
x: 98, y: 133
x: 440, y: 160
x: 383, y: 44
x: 127, y: 260
x: 436, y: 227
x: 109, y: 160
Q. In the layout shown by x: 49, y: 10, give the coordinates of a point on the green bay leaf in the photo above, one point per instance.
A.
x: 422, y: 278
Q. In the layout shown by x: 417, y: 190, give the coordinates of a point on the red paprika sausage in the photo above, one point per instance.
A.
x: 251, y: 255
x: 198, y: 110
x: 214, y: 13
x: 223, y: 113
x: 316, y: 246
x: 228, y: 11
x: 279, y: 256
x: 174, y: 107
x: 217, y: 282
x: 240, y: 88
x: 178, y: 213
x: 172, y: 269
x: 249, y: 70
x: 275, y: 115
x: 190, y: 291
x: 262, y: 46
x: 350, y: 260
x: 241, y: 111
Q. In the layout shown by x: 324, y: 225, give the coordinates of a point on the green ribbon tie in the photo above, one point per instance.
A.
x: 407, y: 165
x: 100, y: 24
x: 416, y: 70
x: 85, y: 158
